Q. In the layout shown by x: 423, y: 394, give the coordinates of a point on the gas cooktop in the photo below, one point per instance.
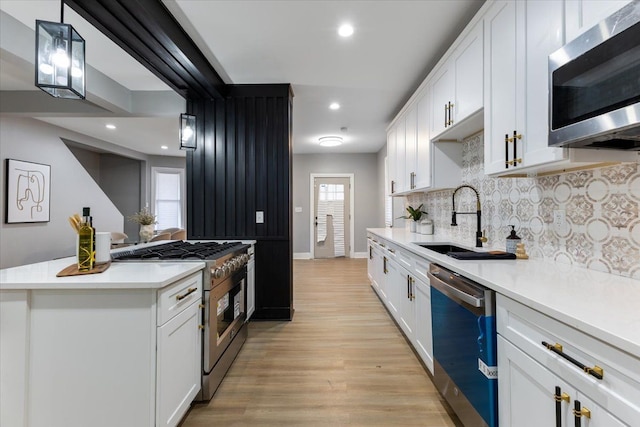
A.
x: 180, y: 250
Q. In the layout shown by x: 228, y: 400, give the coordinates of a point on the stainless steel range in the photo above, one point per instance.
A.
x: 223, y: 299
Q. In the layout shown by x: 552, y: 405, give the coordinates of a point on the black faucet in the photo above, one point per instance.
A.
x: 479, y: 237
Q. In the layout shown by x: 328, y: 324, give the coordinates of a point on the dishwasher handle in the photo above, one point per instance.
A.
x: 453, y: 291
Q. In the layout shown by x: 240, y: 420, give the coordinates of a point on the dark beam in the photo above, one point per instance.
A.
x: 147, y: 31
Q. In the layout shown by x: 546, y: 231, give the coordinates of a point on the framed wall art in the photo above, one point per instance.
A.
x: 28, y: 192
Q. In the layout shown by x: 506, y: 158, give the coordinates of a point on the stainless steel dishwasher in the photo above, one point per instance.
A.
x: 464, y: 346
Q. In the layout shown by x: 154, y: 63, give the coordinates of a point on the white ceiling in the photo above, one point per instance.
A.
x: 371, y: 74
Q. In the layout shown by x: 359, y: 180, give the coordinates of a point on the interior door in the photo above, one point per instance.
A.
x: 331, y: 217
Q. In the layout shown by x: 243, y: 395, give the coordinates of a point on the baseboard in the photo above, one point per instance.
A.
x: 361, y: 255
x: 302, y: 255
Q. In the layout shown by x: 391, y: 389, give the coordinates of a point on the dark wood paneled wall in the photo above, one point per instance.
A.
x: 243, y: 165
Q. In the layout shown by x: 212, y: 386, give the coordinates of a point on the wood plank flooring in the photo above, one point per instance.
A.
x: 341, y: 362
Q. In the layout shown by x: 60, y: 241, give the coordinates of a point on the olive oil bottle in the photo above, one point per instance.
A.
x: 86, y: 233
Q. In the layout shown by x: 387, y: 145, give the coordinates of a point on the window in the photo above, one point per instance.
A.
x: 168, y: 197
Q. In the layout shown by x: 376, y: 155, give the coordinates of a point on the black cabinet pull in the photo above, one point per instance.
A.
x: 579, y: 412
x: 559, y: 397
x: 506, y: 150
x: 596, y: 371
x: 384, y: 265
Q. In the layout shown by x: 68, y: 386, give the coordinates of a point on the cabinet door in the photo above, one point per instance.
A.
x: 543, y: 35
x: 178, y: 366
x: 526, y: 391
x: 401, y: 180
x: 407, y: 305
x: 382, y: 274
x: 584, y: 14
x: 468, y: 75
x: 410, y: 146
x: 392, y: 185
x: 423, y: 341
x: 424, y: 168
x: 503, y: 95
x: 443, y: 94
x: 395, y: 286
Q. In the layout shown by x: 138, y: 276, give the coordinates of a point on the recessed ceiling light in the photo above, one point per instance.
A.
x: 345, y: 30
x: 164, y: 147
x: 330, y: 141
x: 110, y: 126
x: 334, y: 106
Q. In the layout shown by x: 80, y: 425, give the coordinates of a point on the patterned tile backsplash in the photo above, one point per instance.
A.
x: 601, y: 229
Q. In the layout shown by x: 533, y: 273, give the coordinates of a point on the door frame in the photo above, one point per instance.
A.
x: 312, y: 178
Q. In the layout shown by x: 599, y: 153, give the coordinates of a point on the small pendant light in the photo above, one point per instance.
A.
x: 187, y: 132
x: 60, y: 65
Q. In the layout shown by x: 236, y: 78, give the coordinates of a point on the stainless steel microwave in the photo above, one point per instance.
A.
x: 594, y: 86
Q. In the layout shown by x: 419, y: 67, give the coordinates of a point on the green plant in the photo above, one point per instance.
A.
x: 414, y: 214
x: 144, y: 217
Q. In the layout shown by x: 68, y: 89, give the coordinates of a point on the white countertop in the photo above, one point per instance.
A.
x: 119, y: 275
x: 603, y: 305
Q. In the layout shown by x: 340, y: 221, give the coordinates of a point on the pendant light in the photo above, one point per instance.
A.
x: 60, y: 65
x: 187, y: 132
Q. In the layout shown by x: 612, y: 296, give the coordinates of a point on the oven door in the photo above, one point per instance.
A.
x: 225, y: 314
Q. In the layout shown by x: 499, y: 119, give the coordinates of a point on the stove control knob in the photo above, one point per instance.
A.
x: 218, y: 272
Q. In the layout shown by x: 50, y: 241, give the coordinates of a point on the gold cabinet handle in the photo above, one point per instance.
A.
x: 517, y: 136
x: 515, y: 161
x: 186, y: 294
x: 391, y: 250
x: 200, y: 326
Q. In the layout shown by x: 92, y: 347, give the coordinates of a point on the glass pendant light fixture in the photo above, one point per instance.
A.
x: 187, y: 132
x: 60, y: 65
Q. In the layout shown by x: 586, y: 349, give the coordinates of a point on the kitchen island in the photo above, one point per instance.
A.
x: 101, y: 349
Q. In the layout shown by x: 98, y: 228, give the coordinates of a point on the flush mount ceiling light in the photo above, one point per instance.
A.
x: 345, y: 30
x: 110, y: 126
x: 60, y: 67
x: 164, y: 147
x: 330, y: 141
x: 187, y: 132
x: 334, y: 106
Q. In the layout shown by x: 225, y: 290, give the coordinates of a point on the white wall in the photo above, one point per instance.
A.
x: 72, y: 188
x: 366, y: 197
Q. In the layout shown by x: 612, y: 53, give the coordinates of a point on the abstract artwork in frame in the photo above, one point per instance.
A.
x: 28, y: 191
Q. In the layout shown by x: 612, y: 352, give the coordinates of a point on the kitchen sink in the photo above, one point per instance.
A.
x: 443, y: 248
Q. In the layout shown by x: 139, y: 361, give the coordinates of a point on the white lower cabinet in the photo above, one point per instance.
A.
x: 544, y: 374
x: 403, y: 286
x: 422, y: 338
x: 178, y: 366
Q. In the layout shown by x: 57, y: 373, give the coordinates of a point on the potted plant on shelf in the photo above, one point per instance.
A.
x: 415, y: 215
x: 146, y: 220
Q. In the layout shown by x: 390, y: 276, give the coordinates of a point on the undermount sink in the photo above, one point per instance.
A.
x: 443, y: 248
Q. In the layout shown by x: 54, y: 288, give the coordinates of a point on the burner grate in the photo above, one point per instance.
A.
x: 178, y: 250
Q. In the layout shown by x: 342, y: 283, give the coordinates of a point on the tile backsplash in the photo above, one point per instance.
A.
x: 601, y: 228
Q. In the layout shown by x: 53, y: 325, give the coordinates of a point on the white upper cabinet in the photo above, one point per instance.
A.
x: 410, y: 147
x: 457, y: 89
x: 584, y: 14
x: 401, y: 136
x: 519, y: 36
x: 422, y: 179
x: 391, y: 161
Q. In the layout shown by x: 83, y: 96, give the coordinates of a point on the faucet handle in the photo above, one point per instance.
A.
x: 483, y: 238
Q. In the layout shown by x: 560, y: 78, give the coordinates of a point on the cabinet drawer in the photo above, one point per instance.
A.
x: 175, y: 298
x: 619, y: 388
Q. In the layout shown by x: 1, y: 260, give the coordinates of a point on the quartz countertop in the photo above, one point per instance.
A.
x: 119, y: 275
x: 603, y: 305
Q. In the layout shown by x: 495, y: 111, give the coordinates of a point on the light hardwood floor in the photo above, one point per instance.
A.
x: 341, y: 361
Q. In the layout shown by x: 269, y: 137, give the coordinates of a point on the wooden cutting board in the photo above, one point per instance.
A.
x: 72, y: 270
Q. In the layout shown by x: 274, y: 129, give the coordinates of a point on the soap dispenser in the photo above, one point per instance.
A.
x: 512, y: 240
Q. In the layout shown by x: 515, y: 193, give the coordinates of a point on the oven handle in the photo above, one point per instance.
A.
x: 454, y: 292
